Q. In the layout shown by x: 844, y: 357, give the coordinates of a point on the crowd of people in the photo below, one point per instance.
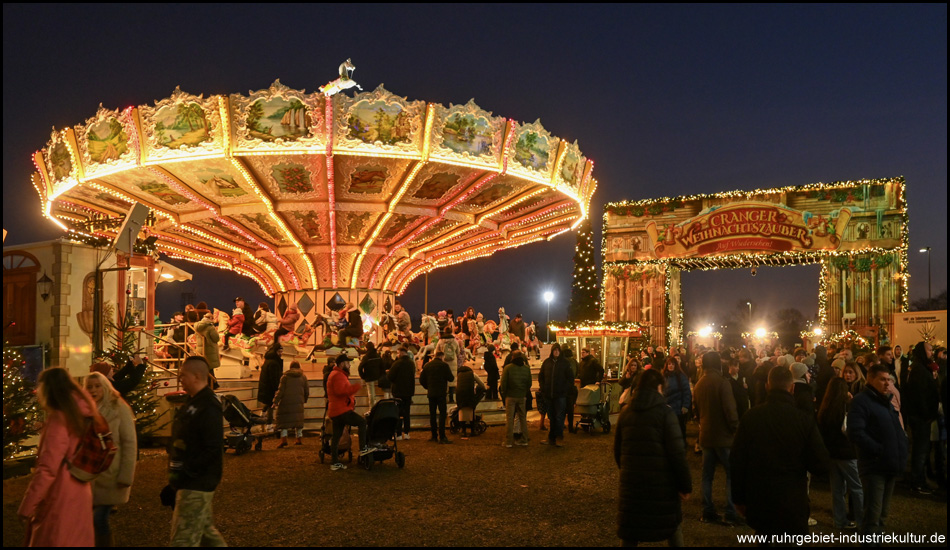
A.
x: 772, y: 421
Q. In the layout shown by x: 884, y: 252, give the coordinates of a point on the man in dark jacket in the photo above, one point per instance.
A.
x: 271, y: 372
x: 370, y: 369
x: 775, y: 447
x: 804, y: 396
x: 589, y: 370
x: 716, y: 407
x: 654, y: 474
x: 875, y: 430
x: 402, y: 375
x: 435, y: 378
x: 195, y: 458
x: 517, y: 328
x: 555, y: 380
x: 920, y: 399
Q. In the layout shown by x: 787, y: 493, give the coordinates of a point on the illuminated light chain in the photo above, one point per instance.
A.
x: 758, y: 192
x: 753, y: 336
x: 195, y: 246
x: 716, y: 335
x: 331, y: 187
x: 408, y: 278
x: 216, y: 240
x: 249, y: 274
x: 268, y: 203
x: 584, y: 202
x: 394, y: 270
x: 396, y: 198
x: 846, y: 337
x: 227, y: 263
x: 464, y: 195
x: 184, y: 190
x: 552, y: 210
x: 509, y: 205
x: 597, y: 326
x: 132, y: 200
x: 269, y: 249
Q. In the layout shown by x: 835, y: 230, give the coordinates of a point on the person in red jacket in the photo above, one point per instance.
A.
x: 340, y: 404
x: 234, y: 326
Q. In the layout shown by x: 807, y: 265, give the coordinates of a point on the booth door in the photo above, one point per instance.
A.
x: 19, y: 307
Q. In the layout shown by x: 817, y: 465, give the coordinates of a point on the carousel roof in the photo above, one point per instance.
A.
x: 299, y: 190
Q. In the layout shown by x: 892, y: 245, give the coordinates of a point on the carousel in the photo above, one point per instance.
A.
x: 326, y: 200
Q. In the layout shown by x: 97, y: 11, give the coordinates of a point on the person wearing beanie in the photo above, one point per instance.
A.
x: 804, y: 396
x: 234, y: 326
x: 718, y: 421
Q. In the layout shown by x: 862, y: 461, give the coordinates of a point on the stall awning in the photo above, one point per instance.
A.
x: 166, y: 273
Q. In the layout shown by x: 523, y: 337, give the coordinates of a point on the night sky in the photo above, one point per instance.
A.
x: 666, y: 100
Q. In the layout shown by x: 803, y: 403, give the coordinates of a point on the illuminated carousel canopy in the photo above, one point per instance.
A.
x: 311, y: 191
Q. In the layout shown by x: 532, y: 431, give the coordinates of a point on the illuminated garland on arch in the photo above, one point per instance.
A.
x: 848, y: 338
x: 558, y: 326
x: 854, y: 260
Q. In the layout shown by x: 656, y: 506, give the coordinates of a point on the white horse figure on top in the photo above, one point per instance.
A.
x: 344, y: 82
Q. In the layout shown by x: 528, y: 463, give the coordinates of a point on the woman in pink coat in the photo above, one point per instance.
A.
x: 58, y: 507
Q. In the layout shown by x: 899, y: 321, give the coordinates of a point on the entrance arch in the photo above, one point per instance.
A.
x: 856, y: 231
x: 19, y: 297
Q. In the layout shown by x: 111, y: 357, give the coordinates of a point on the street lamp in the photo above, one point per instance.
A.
x: 750, y: 311
x: 927, y: 250
x: 548, y: 296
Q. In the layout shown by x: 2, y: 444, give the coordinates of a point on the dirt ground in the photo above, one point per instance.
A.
x: 474, y: 492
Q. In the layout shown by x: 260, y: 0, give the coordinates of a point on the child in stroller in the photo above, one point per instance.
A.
x: 381, y: 424
x: 241, y: 421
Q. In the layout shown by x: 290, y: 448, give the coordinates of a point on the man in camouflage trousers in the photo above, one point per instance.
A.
x: 195, y: 459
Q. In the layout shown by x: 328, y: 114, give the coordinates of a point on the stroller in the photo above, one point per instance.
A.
x: 478, y: 425
x: 241, y: 421
x: 381, y: 424
x: 593, y: 404
x: 343, y: 447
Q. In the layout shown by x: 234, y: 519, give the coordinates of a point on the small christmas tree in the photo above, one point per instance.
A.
x: 143, y: 399
x: 20, y: 410
x: 586, y: 292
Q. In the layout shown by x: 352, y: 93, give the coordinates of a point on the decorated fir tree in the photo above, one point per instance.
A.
x: 585, y: 293
x: 143, y: 399
x: 20, y: 409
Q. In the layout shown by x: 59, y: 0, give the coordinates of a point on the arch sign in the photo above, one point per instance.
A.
x: 856, y: 230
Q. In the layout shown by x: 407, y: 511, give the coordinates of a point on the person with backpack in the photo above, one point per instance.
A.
x: 113, y: 486
x: 57, y: 507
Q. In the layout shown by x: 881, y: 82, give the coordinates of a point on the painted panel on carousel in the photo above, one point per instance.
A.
x: 469, y: 134
x: 216, y: 179
x: 297, y: 177
x: 264, y: 227
x: 359, y: 180
x: 98, y: 199
x: 571, y: 169
x: 151, y: 188
x: 493, y: 194
x: 436, y: 183
x: 533, y: 152
x: 353, y: 227
x: 379, y: 120
x: 59, y: 163
x: 219, y: 229
x: 396, y: 228
x: 277, y: 119
x: 310, y: 225
x: 104, y: 143
x: 182, y: 126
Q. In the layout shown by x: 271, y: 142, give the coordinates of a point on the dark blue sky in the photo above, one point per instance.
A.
x: 667, y: 100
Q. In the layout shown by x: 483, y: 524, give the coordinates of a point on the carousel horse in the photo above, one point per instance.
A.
x: 504, y: 339
x: 344, y: 82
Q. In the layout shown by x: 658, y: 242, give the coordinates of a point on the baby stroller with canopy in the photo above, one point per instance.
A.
x: 381, y: 424
x: 478, y: 425
x: 593, y: 405
x: 241, y: 421
x: 344, y: 446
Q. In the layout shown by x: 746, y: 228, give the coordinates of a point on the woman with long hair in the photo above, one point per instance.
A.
x: 113, y: 486
x: 57, y: 507
x: 832, y: 424
x: 678, y: 394
x: 851, y: 373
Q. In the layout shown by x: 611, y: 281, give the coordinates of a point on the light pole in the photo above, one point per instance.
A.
x: 548, y: 296
x: 927, y: 250
x: 750, y: 311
